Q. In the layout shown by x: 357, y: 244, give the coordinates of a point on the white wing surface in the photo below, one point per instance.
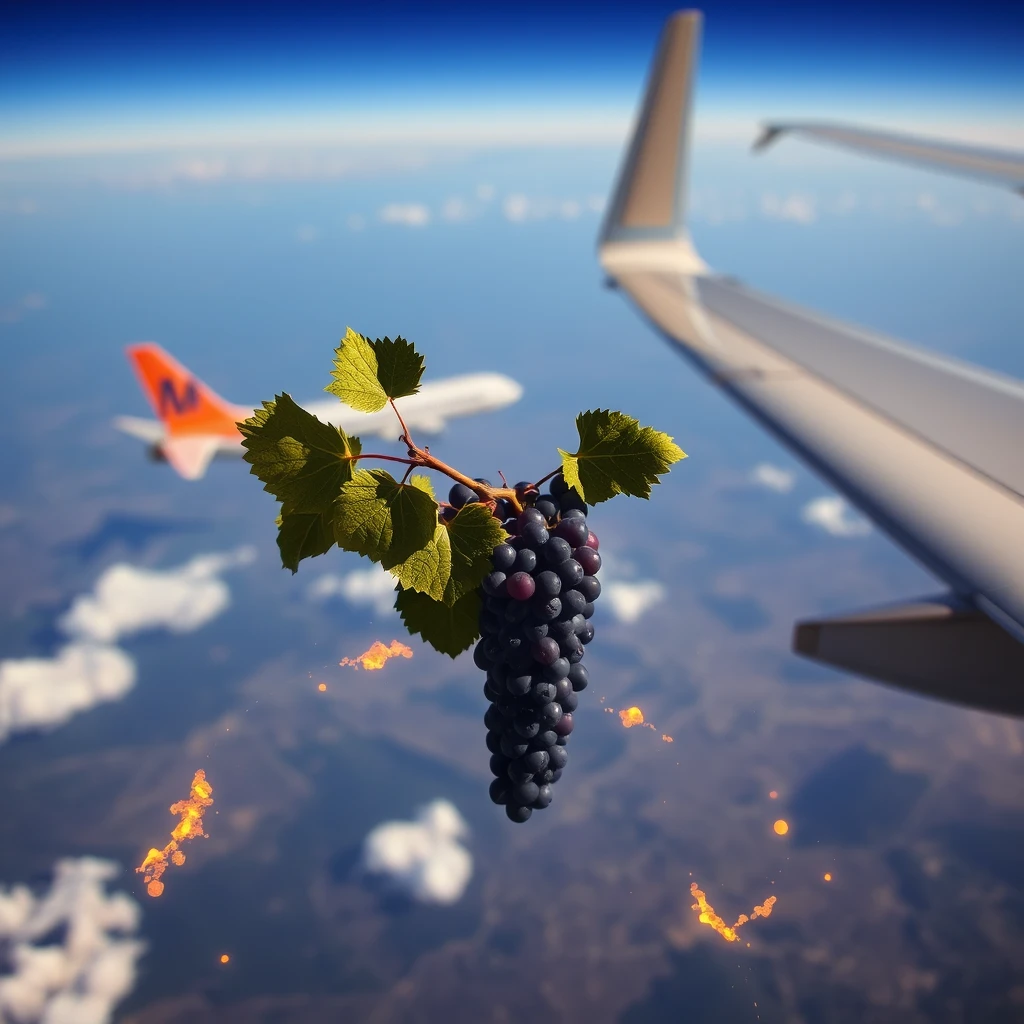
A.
x: 927, y: 447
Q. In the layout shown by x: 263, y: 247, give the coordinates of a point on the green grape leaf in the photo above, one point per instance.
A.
x: 423, y: 483
x: 303, y: 535
x: 382, y: 519
x: 449, y: 629
x: 429, y: 570
x: 366, y: 374
x: 474, y: 534
x: 399, y: 367
x: 300, y: 460
x: 617, y: 456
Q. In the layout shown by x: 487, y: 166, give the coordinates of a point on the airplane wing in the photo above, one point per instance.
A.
x: 997, y: 166
x: 927, y: 447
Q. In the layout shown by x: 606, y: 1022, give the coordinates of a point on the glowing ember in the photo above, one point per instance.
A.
x: 224, y: 958
x: 781, y: 827
x: 828, y: 876
x: 375, y: 657
x: 773, y: 795
x: 667, y: 739
x: 322, y: 687
x: 631, y: 716
x: 189, y: 826
x: 708, y: 916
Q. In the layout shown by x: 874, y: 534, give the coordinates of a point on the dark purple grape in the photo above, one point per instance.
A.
x: 494, y: 742
x: 567, y: 698
x: 588, y: 609
x: 573, y: 530
x: 547, y: 506
x: 502, y: 557
x: 493, y: 718
x: 493, y: 585
x: 519, y: 686
x: 461, y: 495
x: 558, y: 757
x: 534, y: 534
x: 564, y: 726
x: 560, y: 630
x: 572, y: 600
x: 543, y: 798
x: 491, y: 692
x: 530, y: 515
x: 525, y: 488
x: 558, y: 669
x: 544, y: 739
x: 574, y: 513
x: 521, y: 587
x: 548, y: 584
x: 576, y: 656
x: 558, y: 486
x: 546, y: 610
x: 592, y: 541
x: 481, y: 655
x: 535, y: 631
x: 556, y: 551
x: 589, y: 559
x: 517, y: 812
x: 482, y: 480
x: 526, y: 724
x: 556, y: 775
x: 504, y: 509
x: 515, y: 611
x: 572, y: 500
x: 526, y: 560
x: 587, y: 635
x: 499, y: 765
x: 590, y: 588
x: 545, y: 778
x: 447, y: 514
x: 563, y: 740
x: 579, y: 677
x: 499, y: 791
x: 570, y: 572
x: 545, y: 651
x: 551, y: 713
x: 579, y: 622
x: 513, y: 746
x: 542, y: 693
x: 518, y: 771
x: 511, y: 527
x: 526, y: 792
x: 535, y: 760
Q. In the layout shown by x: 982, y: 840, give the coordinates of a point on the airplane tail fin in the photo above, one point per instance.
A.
x: 646, y: 220
x: 183, y: 403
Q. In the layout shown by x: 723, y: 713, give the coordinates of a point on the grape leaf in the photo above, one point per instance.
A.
x: 399, y: 367
x: 474, y: 534
x: 617, y: 456
x: 300, y: 460
x: 366, y: 374
x: 449, y: 629
x: 302, y: 535
x: 423, y: 483
x: 429, y: 570
x: 382, y: 519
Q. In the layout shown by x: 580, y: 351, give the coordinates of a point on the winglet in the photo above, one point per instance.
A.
x: 182, y: 402
x: 647, y: 215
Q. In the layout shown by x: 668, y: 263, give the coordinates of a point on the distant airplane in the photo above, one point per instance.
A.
x: 195, y: 424
x: 928, y: 447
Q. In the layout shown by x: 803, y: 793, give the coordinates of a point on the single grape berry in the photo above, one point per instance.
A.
x: 557, y: 550
x: 563, y: 727
x: 543, y: 798
x: 517, y: 812
x: 535, y: 534
x: 592, y: 541
x: 526, y: 792
x: 570, y: 572
x: 574, y: 531
x: 545, y: 651
x: 492, y: 584
x: 589, y: 559
x: 499, y: 791
x: 548, y: 583
x: 547, y: 506
x: 503, y: 557
x: 461, y: 495
x: 558, y: 486
x: 526, y: 560
x: 589, y: 587
x: 520, y: 586
x: 513, y: 745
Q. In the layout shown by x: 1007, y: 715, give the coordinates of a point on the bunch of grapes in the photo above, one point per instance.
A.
x: 535, y: 621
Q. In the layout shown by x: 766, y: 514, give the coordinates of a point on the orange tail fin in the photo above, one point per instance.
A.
x: 184, y: 404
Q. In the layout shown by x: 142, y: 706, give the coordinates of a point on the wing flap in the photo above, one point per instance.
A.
x: 190, y: 455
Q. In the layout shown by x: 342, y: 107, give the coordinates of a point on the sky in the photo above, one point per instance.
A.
x: 353, y: 865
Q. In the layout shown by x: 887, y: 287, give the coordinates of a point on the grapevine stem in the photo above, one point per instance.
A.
x: 545, y: 479
x: 405, y: 430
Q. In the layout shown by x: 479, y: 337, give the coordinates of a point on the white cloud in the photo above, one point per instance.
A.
x: 413, y: 215
x: 518, y: 207
x: 485, y: 193
x: 798, y: 208
x: 764, y: 474
x: 39, y: 693
x: 423, y: 857
x: 630, y: 600
x: 456, y: 209
x: 81, y: 980
x: 306, y: 233
x: 127, y: 599
x: 373, y: 587
x: 833, y: 515
x: 31, y: 302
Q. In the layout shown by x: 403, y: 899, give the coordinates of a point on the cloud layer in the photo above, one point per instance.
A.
x: 423, y: 857
x: 628, y: 601
x: 40, y: 693
x: 80, y: 980
x: 374, y: 588
x: 764, y: 474
x: 833, y: 515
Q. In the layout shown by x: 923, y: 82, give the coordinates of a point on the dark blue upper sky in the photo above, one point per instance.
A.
x: 61, y: 57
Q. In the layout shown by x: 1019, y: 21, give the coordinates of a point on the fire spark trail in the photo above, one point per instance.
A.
x: 189, y: 826
x: 375, y: 657
x: 709, y: 917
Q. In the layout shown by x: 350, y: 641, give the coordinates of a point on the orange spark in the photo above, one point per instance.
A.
x: 773, y: 795
x: 781, y: 827
x: 224, y: 958
x: 322, y: 687
x: 375, y: 657
x: 828, y: 876
x: 631, y: 716
x: 667, y: 739
x: 708, y: 916
x: 189, y: 826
